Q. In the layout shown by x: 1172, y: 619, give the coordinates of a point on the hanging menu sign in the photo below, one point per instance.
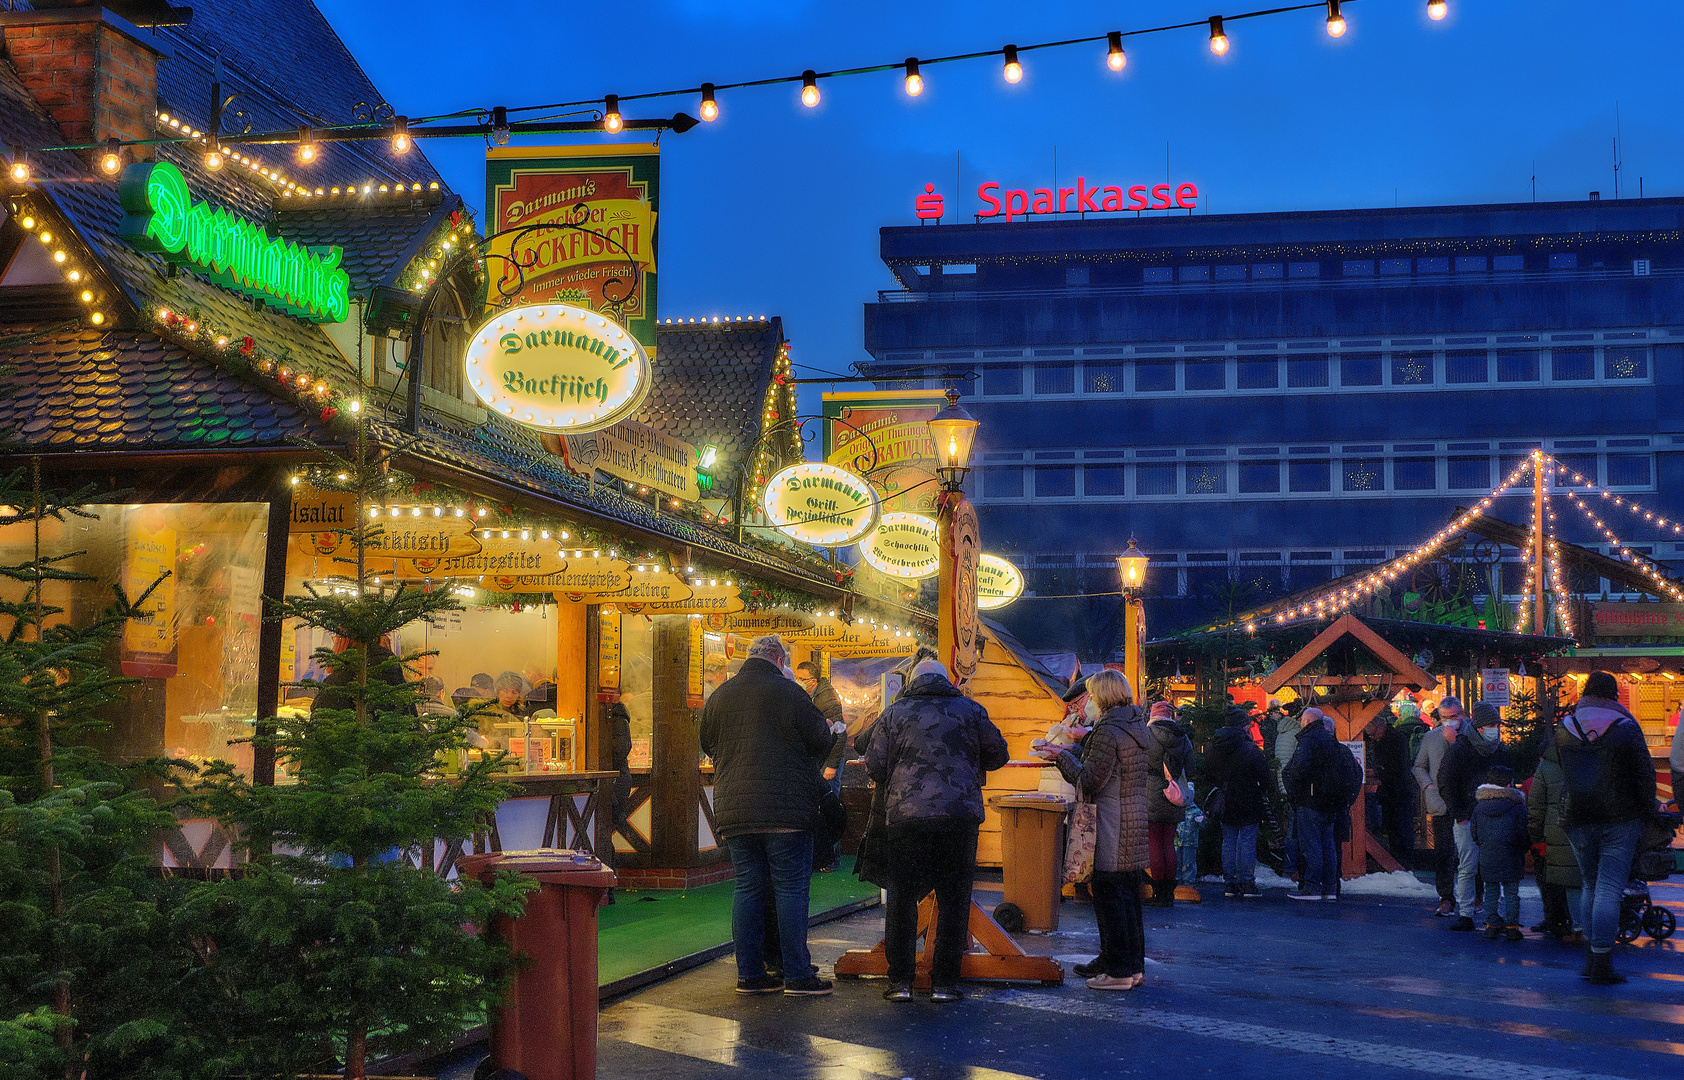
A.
x: 638, y: 454
x: 821, y: 504
x: 499, y: 555
x: 885, y: 434
x: 998, y: 582
x: 314, y: 510
x: 420, y: 541
x: 586, y: 581
x: 608, y: 654
x: 703, y: 600
x: 693, y: 682
x: 775, y: 621
x: 557, y: 368
x: 903, y: 546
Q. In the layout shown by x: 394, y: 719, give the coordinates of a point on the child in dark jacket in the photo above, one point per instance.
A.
x: 1500, y: 832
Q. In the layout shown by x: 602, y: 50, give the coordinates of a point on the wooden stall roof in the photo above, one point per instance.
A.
x: 1407, y: 672
x: 1024, y: 699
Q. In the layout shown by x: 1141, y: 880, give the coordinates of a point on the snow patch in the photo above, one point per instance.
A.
x: 1395, y: 883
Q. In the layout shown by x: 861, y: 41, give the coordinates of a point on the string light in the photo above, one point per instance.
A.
x: 710, y: 107
x: 307, y: 149
x: 612, y: 121
x: 213, y: 159
x: 914, y: 81
x: 111, y: 162
x: 1437, y: 10
x: 19, y: 170
x: 809, y: 88
x: 400, y: 135
x: 1218, y: 37
x: 1335, y: 21
x: 1115, y: 58
x: 1013, y: 69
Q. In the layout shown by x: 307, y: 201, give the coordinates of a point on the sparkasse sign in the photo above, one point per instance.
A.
x: 994, y: 200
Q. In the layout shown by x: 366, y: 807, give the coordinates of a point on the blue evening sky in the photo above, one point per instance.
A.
x: 774, y: 208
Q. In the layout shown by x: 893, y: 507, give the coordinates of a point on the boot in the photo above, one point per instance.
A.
x: 1601, y: 970
x: 1163, y: 894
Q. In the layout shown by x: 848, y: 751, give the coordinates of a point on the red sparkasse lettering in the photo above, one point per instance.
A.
x: 1137, y: 197
x: 1018, y: 199
x: 1160, y: 197
x: 1187, y: 196
x: 1043, y: 200
x: 994, y: 200
x: 1113, y: 199
x: 988, y: 200
x: 1064, y: 194
x: 1084, y: 196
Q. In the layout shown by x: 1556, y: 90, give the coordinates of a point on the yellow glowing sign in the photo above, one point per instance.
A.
x: 558, y: 368
x: 821, y: 504
x: 998, y: 582
x: 904, y: 546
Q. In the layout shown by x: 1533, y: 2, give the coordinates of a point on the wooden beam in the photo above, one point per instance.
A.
x: 675, y: 757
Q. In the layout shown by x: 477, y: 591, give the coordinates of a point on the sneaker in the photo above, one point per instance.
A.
x: 811, y: 986
x: 1330, y: 898
x: 1112, y: 982
x: 766, y: 984
x: 1250, y: 891
x: 1088, y: 970
x: 941, y: 995
x: 898, y: 992
x: 1492, y: 933
x: 1303, y: 894
x: 1446, y: 908
x: 1462, y: 925
x: 1230, y: 892
x: 1513, y: 934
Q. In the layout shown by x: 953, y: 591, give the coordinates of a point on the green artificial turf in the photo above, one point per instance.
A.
x: 648, y: 928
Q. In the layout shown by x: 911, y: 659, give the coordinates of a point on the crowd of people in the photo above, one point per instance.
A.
x: 778, y: 741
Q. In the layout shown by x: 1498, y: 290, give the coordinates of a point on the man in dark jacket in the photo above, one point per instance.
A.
x: 1237, y: 773
x: 1322, y: 780
x: 1396, y: 795
x: 1610, y: 790
x: 932, y: 750
x: 1476, y: 752
x: 767, y: 740
x: 824, y: 697
x: 1170, y: 750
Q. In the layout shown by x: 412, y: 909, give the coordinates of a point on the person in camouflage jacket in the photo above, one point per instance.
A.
x: 932, y: 750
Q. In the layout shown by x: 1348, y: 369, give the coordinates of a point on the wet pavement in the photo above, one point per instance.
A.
x: 1373, y: 987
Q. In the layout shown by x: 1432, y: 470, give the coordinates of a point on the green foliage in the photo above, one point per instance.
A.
x: 1527, y: 723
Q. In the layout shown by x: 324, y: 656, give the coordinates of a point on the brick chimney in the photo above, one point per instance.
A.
x: 89, y: 68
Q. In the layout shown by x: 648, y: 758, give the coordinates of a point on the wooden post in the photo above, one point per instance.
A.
x: 571, y: 693
x: 1133, y: 616
x: 676, y: 755
x: 270, y: 631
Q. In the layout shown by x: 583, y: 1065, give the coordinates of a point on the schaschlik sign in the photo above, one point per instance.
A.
x: 160, y: 216
x: 557, y: 368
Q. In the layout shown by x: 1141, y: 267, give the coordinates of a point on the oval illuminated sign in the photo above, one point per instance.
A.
x: 556, y: 367
x: 998, y: 582
x: 904, y: 546
x: 820, y: 504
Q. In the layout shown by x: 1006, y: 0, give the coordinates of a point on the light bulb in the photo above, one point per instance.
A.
x: 1437, y: 10
x: 1335, y: 21
x: 1115, y: 58
x: 500, y: 125
x: 111, y: 162
x: 710, y: 107
x: 1218, y: 39
x: 20, y: 170
x: 400, y: 135
x: 809, y: 88
x: 612, y: 122
x: 213, y: 159
x: 914, y: 81
x: 1013, y: 70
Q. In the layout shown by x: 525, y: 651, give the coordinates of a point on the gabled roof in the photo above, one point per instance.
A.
x: 1402, y: 670
x: 64, y: 388
x: 379, y: 241
x: 711, y: 381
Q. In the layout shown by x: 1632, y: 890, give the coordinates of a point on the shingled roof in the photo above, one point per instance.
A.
x: 379, y: 241
x: 711, y: 380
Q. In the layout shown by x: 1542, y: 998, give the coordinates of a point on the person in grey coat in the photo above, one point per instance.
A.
x: 1434, y: 745
x: 931, y: 753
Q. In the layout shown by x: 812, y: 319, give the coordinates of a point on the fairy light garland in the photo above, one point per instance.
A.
x: 1523, y: 621
x: 72, y: 260
x: 1563, y: 620
x: 1664, y: 586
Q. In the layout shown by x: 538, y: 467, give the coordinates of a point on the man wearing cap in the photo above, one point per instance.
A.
x: 1475, y: 752
x: 1434, y: 745
x: 1321, y: 780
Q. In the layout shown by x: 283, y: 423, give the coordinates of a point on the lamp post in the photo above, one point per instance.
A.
x: 1131, y: 568
x: 953, y: 430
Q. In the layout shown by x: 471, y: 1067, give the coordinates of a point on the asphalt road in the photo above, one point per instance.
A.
x: 1370, y: 987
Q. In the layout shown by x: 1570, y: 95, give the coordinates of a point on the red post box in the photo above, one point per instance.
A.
x: 545, y: 1028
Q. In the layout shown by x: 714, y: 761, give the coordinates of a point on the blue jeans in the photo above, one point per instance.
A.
x: 1239, y: 854
x: 1467, y: 869
x: 1508, y: 894
x: 1318, y: 840
x: 1604, y: 853
x: 780, y: 864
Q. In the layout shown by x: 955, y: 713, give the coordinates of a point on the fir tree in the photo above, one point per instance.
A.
x: 335, y: 945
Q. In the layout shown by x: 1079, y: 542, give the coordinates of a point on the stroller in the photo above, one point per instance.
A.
x: 1654, y: 862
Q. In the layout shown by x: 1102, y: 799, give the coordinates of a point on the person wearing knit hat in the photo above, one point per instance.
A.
x: 1168, y: 754
x: 1470, y: 757
x: 1322, y: 780
x: 1162, y: 710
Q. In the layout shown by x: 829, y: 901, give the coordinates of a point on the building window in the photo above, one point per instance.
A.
x: 1259, y: 374
x: 1569, y: 261
x: 1470, y: 264
x: 1156, y: 274
x: 1309, y: 475
x: 1230, y: 273
x: 1395, y: 266
x: 1002, y: 483
x: 1055, y: 481
x: 1194, y: 273
x: 1571, y: 365
x: 1466, y: 367
x: 1414, y: 474
x: 1432, y: 266
x: 1361, y: 369
x: 1102, y: 480
x: 1412, y: 369
x: 1303, y: 269
x: 1365, y: 474
x: 1359, y: 267
x: 1206, y: 375
x: 1625, y: 363
x: 1583, y: 465
x: 1211, y: 479
x: 1517, y: 366
x: 1266, y: 271
x: 1156, y: 378
x: 1508, y: 263
x: 1154, y: 480
x: 1001, y: 379
x: 1301, y: 374
x: 1470, y: 474
x: 1259, y: 477
x: 1102, y: 378
x: 1628, y: 470
x: 1055, y: 378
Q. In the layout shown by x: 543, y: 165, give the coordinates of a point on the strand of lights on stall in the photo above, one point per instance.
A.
x: 1664, y: 586
x: 1526, y: 559
x: 1563, y: 620
x: 69, y: 266
x: 1338, y: 602
x: 1625, y: 501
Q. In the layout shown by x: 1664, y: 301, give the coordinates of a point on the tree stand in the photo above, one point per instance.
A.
x: 1003, y: 960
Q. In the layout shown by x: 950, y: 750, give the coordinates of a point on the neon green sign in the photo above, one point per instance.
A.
x: 160, y: 216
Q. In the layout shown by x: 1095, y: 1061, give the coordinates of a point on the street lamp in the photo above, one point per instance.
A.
x: 953, y: 430
x: 1131, y: 568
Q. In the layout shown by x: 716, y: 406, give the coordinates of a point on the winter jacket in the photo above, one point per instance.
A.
x: 1170, y: 746
x: 766, y: 739
x: 1236, y: 766
x: 932, y: 752
x: 1322, y: 774
x: 1605, y: 760
x: 1676, y: 760
x: 826, y: 701
x: 1286, y: 743
x: 1434, y: 745
x: 1392, y: 760
x: 1464, y: 769
x: 1499, y: 830
x: 1544, y: 806
x: 1112, y: 774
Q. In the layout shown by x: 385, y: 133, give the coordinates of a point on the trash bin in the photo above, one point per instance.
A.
x: 1032, y: 854
x: 545, y: 1028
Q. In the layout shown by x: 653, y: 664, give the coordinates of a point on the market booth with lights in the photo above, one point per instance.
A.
x: 190, y: 328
